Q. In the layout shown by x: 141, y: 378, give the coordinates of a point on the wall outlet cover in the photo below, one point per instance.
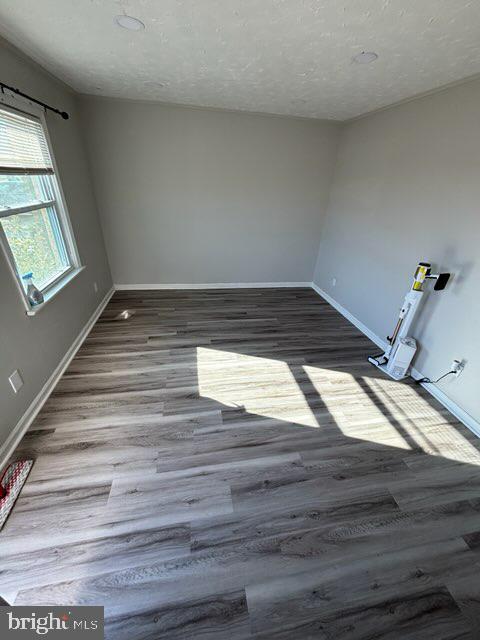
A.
x: 16, y: 381
x: 457, y: 367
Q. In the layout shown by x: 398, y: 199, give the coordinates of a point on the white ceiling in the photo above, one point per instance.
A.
x: 290, y: 57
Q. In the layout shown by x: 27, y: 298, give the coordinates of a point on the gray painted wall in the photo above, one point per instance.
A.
x: 196, y: 196
x: 202, y: 196
x: 35, y: 345
x: 407, y: 188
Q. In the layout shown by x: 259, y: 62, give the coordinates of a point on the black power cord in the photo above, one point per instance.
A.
x: 428, y: 381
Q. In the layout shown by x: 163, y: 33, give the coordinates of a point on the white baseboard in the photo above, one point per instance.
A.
x: 214, y: 285
x: 435, y: 391
x: 9, y: 446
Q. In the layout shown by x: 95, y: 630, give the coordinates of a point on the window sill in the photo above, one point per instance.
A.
x: 52, y: 292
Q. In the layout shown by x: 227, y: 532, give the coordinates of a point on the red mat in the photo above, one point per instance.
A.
x: 11, y: 484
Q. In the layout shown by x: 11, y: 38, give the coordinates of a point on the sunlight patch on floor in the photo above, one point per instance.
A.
x: 262, y: 386
x: 388, y: 412
x: 351, y: 408
x: 426, y: 425
x: 369, y: 408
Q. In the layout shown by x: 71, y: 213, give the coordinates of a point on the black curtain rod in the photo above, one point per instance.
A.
x: 64, y: 114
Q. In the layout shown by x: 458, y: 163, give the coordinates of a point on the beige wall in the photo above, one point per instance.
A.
x: 35, y: 345
x: 201, y: 196
x: 407, y: 188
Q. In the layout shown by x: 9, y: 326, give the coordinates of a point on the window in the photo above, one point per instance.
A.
x: 34, y: 228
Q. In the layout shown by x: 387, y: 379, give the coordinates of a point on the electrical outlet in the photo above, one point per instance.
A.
x: 334, y: 282
x: 16, y: 381
x: 457, y: 367
x: 95, y: 287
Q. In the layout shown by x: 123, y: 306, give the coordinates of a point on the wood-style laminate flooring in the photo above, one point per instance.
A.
x: 226, y: 465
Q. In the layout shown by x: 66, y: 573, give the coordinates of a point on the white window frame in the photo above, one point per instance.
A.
x: 10, y: 102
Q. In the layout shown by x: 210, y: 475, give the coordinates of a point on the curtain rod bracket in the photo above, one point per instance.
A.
x: 63, y: 114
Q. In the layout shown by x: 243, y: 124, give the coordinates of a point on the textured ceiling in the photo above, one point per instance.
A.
x: 289, y: 57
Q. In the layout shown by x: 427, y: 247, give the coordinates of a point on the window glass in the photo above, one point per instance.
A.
x: 37, y: 245
x: 18, y: 191
x: 33, y: 225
